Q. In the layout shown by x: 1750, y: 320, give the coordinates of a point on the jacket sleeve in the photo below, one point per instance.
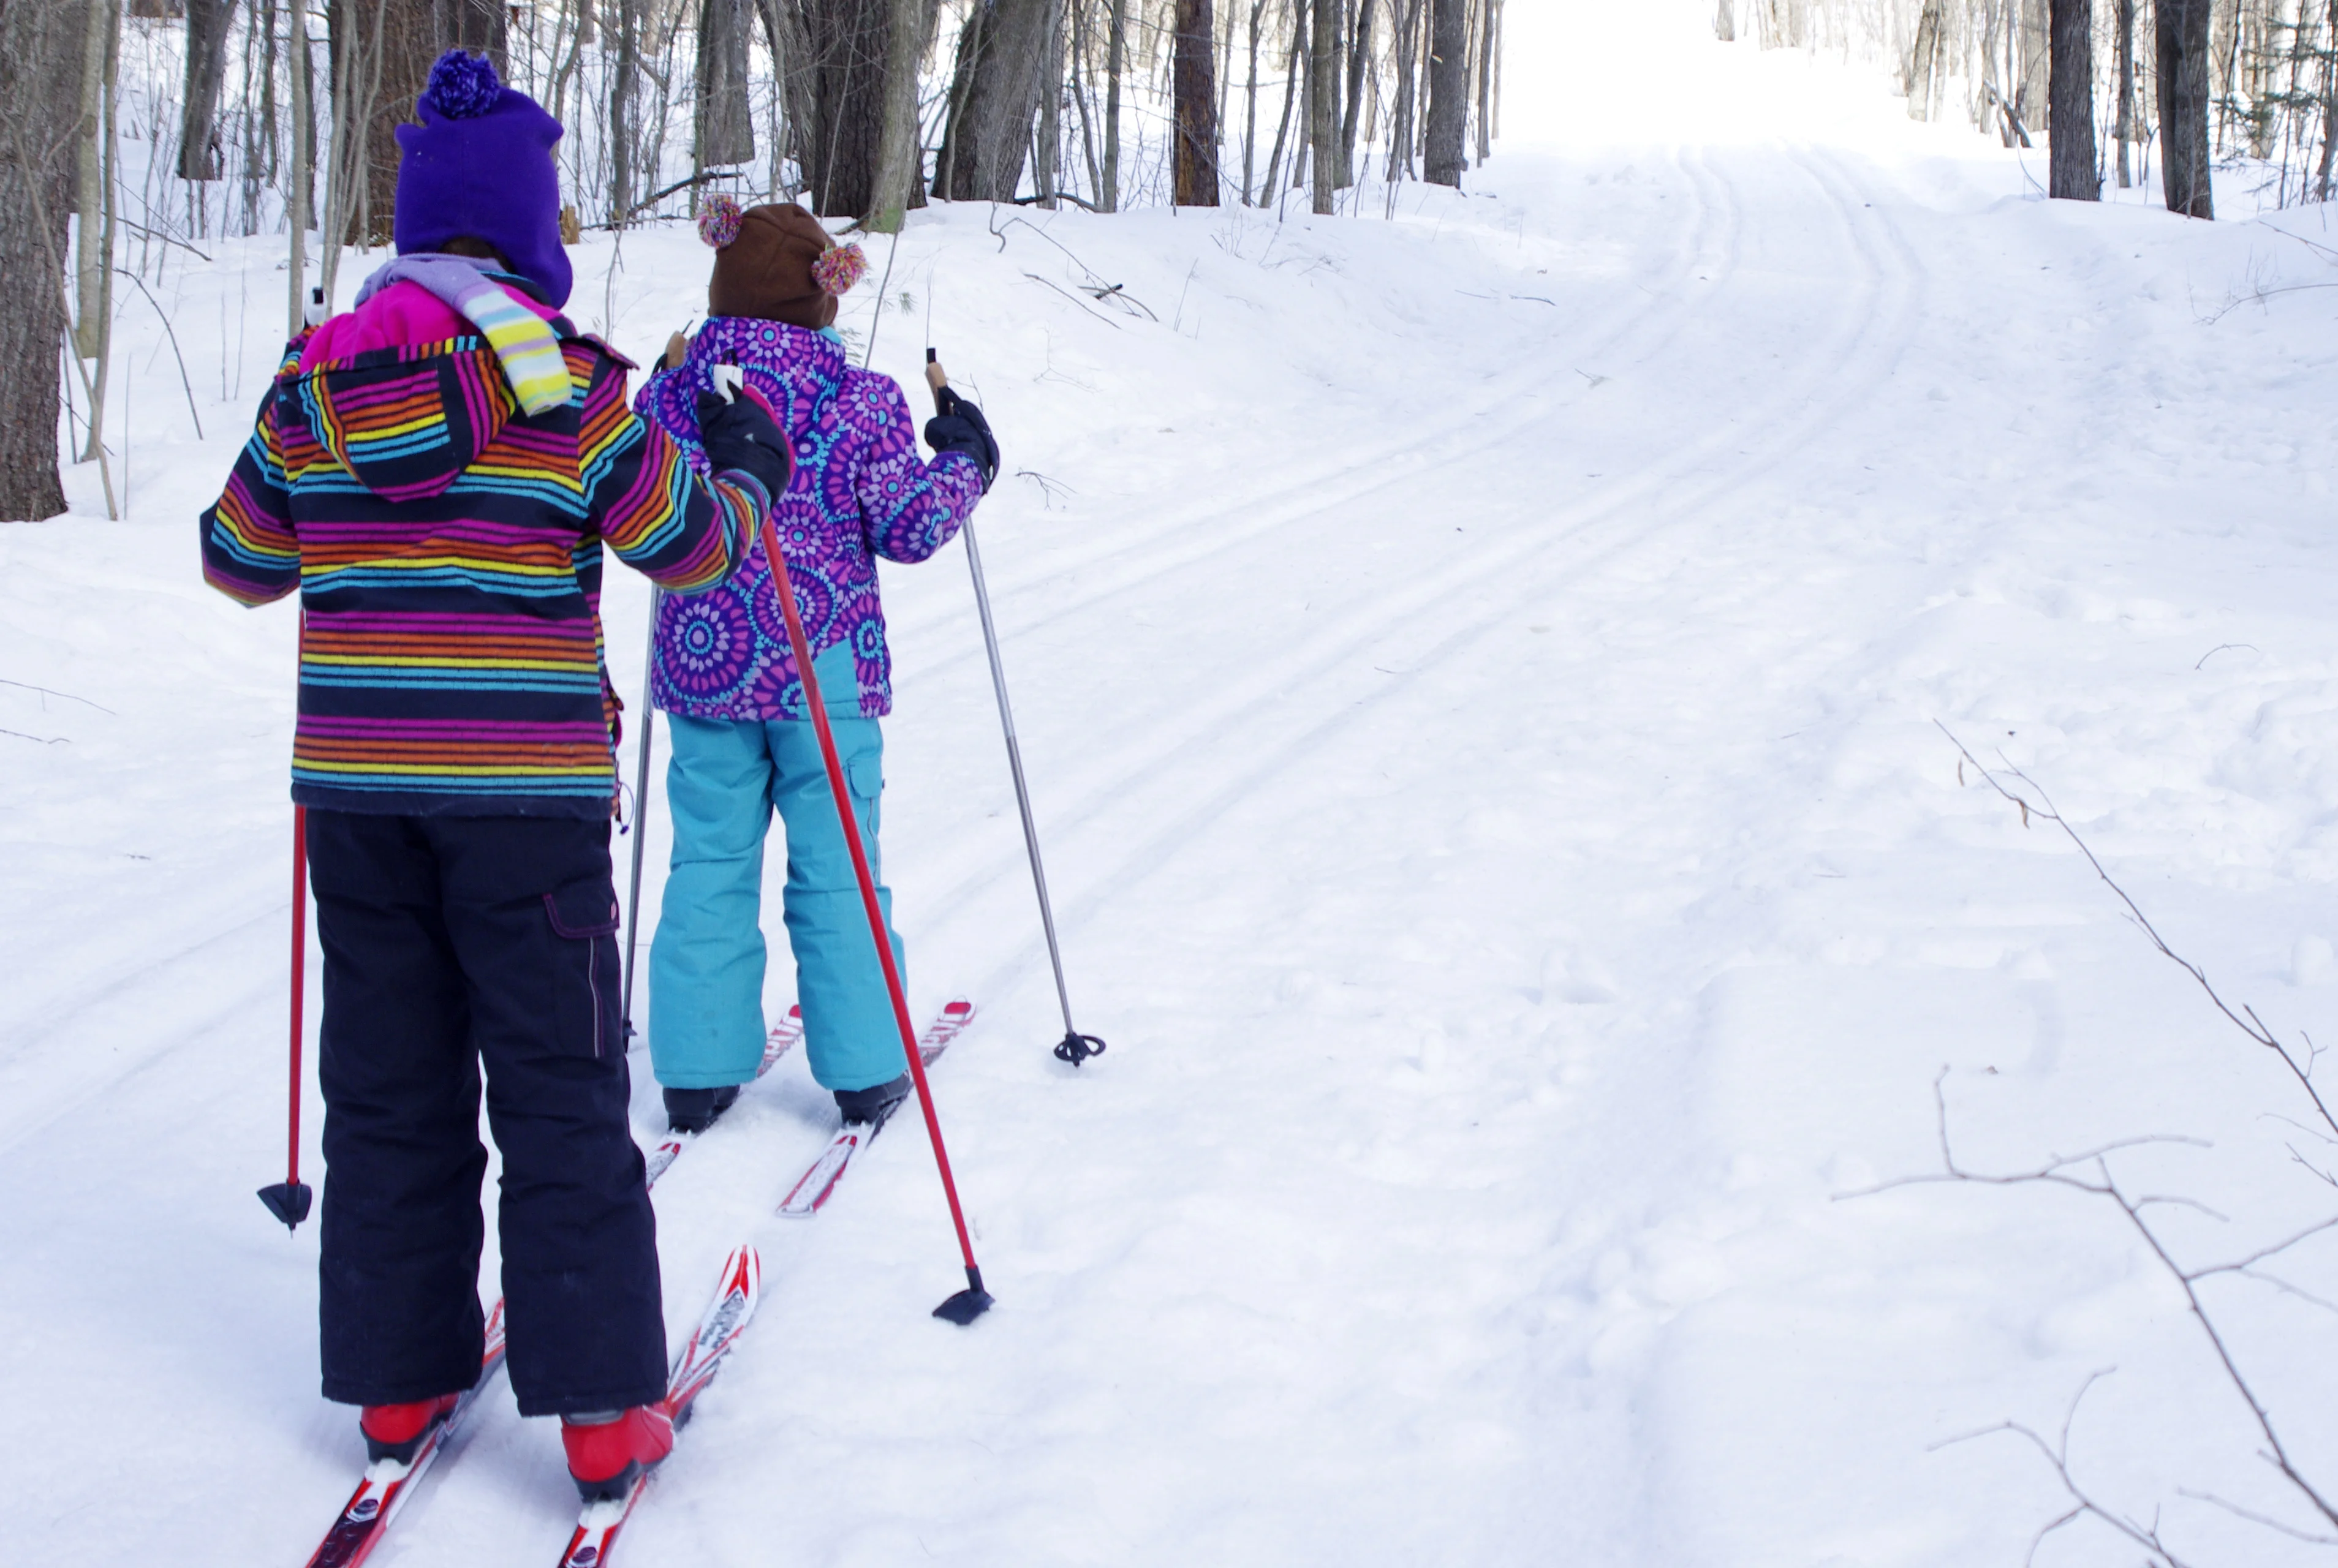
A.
x: 910, y: 508
x: 251, y: 552
x: 682, y: 529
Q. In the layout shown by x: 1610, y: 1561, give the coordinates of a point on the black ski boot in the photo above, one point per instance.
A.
x: 696, y: 1110
x: 870, y: 1108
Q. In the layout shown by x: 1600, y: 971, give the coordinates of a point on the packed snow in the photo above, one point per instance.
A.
x: 1486, y: 668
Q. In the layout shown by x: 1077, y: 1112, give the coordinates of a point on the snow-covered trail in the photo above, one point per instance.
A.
x: 1477, y: 672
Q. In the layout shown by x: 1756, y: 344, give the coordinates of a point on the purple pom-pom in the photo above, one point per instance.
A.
x: 719, y: 219
x: 463, y: 86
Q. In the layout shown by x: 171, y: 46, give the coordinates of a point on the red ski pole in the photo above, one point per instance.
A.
x: 972, y: 1302
x: 289, y: 1199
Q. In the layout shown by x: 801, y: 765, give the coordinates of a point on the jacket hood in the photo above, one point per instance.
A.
x: 407, y: 421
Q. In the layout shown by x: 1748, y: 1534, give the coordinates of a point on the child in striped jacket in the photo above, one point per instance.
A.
x: 437, y: 473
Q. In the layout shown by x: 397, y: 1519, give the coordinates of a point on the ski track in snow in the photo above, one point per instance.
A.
x: 1479, y: 684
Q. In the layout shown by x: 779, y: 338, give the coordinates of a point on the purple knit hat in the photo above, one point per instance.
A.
x: 480, y: 164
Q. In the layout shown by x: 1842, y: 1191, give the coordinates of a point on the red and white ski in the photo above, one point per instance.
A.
x: 782, y: 1039
x: 817, y: 1185
x: 735, y: 1303
x: 385, y: 1484
x: 388, y: 1482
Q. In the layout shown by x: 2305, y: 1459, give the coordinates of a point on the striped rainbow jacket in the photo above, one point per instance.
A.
x: 447, y: 550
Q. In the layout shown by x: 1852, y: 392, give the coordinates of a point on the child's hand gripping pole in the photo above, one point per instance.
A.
x: 971, y: 1303
x: 1074, y: 1048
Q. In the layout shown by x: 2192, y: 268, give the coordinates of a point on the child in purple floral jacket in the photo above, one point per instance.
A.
x: 743, y: 744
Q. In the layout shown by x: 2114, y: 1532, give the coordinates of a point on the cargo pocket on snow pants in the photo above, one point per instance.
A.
x: 585, y: 982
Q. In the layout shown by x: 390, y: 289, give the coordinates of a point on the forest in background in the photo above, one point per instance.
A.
x: 2254, y: 80
x: 167, y: 122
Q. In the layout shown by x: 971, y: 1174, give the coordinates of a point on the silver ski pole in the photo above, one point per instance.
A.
x: 1075, y: 1047
x: 641, y: 812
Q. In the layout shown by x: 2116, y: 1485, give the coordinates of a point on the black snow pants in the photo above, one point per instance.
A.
x: 452, y: 942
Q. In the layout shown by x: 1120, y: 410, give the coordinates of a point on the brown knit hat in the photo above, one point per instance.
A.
x: 775, y: 263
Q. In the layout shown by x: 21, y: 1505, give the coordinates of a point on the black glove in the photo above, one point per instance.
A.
x: 960, y: 427
x: 740, y: 435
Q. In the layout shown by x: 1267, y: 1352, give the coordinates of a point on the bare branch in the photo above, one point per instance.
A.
x: 2254, y: 1517
x: 2242, y: 1265
x: 2286, y: 1289
x: 43, y: 691
x: 2245, y: 1019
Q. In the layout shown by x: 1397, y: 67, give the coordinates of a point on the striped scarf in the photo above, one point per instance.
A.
x: 523, y: 341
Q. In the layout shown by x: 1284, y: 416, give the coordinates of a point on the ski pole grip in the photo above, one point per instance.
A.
x: 938, y: 379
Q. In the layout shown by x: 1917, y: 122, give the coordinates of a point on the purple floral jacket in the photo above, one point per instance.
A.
x: 860, y: 490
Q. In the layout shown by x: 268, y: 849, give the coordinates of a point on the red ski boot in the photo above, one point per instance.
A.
x: 607, y: 1453
x: 398, y: 1431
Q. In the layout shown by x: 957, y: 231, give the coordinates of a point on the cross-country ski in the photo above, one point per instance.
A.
x: 783, y: 1038
x: 812, y: 1190
x: 735, y: 1297
x: 389, y: 1480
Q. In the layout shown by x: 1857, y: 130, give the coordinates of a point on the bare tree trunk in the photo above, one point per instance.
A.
x: 725, y: 122
x: 1724, y: 22
x: 207, y: 30
x: 2329, y: 114
x: 1195, y: 90
x: 109, y: 82
x: 849, y: 49
x: 1047, y: 147
x: 1080, y: 101
x: 785, y: 34
x: 1115, y: 62
x: 2185, y: 161
x: 384, y: 49
x: 2126, y: 90
x: 1924, y: 62
x: 1360, y: 59
x: 2074, y: 173
x: 1448, y: 91
x: 1270, y: 190
x: 298, y: 206
x: 1402, y: 128
x: 480, y: 26
x: 1002, y: 54
x: 897, y: 153
x: 1250, y: 104
x: 269, y: 123
x: 90, y: 253
x: 40, y: 70
x: 2031, y: 80
x: 624, y: 85
x: 1490, y: 12
x: 1323, y: 101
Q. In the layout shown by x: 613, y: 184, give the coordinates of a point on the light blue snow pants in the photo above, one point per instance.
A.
x: 706, y: 963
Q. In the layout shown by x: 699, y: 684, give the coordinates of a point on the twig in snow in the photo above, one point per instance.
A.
x: 2254, y: 1517
x: 1076, y: 300
x: 2222, y: 647
x: 1095, y: 284
x: 2082, y: 1503
x: 158, y: 234
x: 1059, y: 196
x: 646, y: 203
x: 2090, y: 1173
x: 2245, y: 1018
x: 1049, y: 488
x: 43, y: 691
x: 171, y: 333
x: 2259, y: 296
x: 41, y: 739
